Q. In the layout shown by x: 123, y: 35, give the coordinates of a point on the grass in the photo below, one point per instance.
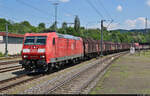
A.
x: 123, y: 73
x: 143, y: 53
x: 1, y: 54
x: 145, y: 91
x: 99, y: 86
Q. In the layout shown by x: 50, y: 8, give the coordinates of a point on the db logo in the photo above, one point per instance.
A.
x: 34, y: 50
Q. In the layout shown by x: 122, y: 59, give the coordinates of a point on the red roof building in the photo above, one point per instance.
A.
x: 12, y: 38
x: 11, y: 34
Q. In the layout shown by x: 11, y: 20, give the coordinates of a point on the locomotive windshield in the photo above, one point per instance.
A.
x: 35, y: 40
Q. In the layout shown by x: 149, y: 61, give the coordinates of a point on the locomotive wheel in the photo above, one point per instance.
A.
x: 74, y: 61
x: 27, y: 65
x: 50, y: 69
x: 63, y: 64
x: 58, y: 65
x: 45, y: 68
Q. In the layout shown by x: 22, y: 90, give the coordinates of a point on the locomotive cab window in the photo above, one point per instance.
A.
x: 29, y: 40
x: 41, y: 40
x: 35, y: 40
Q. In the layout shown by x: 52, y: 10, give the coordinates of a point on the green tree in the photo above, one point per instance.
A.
x: 25, y: 23
x: 63, y: 30
x: 77, y: 24
x: 41, y: 25
x: 3, y: 24
x: 64, y: 25
x: 53, y: 27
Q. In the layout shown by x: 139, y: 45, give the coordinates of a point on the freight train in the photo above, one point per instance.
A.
x: 45, y: 51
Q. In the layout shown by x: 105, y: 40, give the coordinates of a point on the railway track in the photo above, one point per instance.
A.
x: 11, y: 68
x: 74, y: 84
x: 10, y: 57
x: 57, y: 82
x: 9, y: 62
x: 15, y: 81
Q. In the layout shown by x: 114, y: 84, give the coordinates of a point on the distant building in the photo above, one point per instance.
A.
x: 14, y: 43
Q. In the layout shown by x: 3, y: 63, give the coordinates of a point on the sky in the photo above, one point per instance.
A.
x: 126, y: 14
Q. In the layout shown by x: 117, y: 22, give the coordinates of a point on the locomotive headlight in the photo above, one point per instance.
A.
x: 25, y: 56
x: 41, y: 50
x: 42, y: 56
x: 26, y: 50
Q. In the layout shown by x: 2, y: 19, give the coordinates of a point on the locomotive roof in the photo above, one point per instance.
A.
x: 68, y: 36
x: 58, y: 34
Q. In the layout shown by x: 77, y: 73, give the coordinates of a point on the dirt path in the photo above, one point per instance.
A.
x: 129, y: 74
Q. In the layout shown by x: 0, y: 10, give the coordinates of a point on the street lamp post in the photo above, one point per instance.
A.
x: 56, y: 5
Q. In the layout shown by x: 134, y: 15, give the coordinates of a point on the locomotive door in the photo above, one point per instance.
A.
x: 58, y: 52
x: 58, y: 47
x: 55, y: 42
x: 67, y: 51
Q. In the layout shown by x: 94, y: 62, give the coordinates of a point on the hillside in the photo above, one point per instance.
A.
x: 132, y: 30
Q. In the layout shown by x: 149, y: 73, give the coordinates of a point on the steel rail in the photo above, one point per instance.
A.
x: 9, y: 62
x: 7, y: 69
x: 15, y: 79
x: 76, y: 75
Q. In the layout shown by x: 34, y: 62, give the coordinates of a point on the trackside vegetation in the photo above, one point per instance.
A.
x: 77, y: 30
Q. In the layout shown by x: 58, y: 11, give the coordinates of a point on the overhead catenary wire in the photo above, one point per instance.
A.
x: 9, y: 17
x: 100, y: 2
x: 108, y: 14
x: 94, y: 8
x: 106, y: 11
x: 111, y: 21
x: 16, y: 19
x: 41, y: 17
x: 37, y: 9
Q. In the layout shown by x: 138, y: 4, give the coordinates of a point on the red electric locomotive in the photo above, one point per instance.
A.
x: 43, y: 51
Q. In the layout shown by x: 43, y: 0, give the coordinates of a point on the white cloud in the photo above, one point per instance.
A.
x: 112, y: 26
x: 136, y: 23
x: 64, y: 0
x: 93, y: 26
x: 68, y: 15
x: 130, y: 23
x: 119, y: 8
x: 148, y: 2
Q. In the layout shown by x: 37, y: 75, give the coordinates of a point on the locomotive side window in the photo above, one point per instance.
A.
x: 53, y: 41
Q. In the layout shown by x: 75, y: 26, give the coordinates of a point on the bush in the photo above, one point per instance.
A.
x: 1, y: 54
